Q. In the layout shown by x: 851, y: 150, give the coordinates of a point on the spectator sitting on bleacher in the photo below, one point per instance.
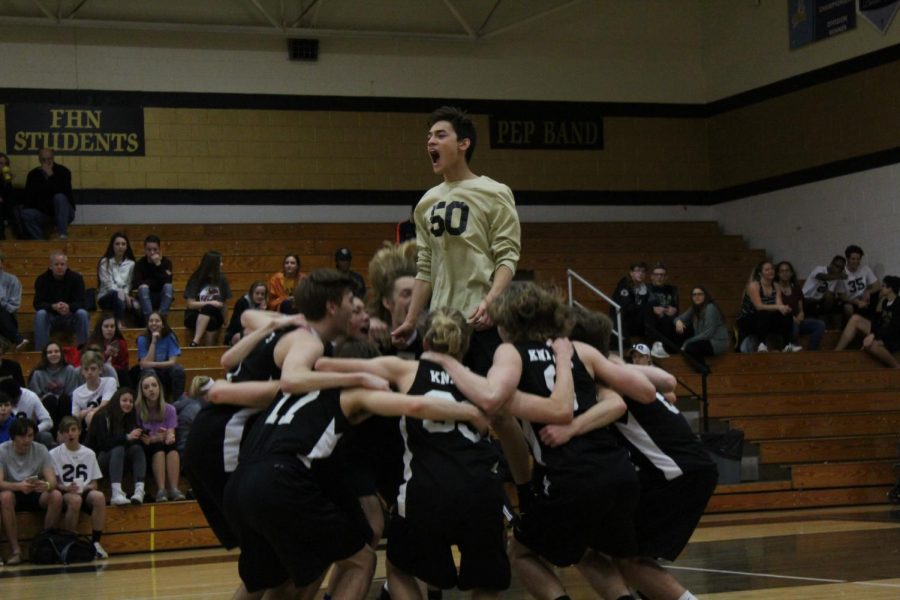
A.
x: 703, y: 327
x: 8, y: 199
x: 116, y: 438
x: 59, y: 302
x: 10, y: 369
x: 159, y: 422
x: 114, y: 275
x: 26, y: 404
x: 77, y: 472
x: 640, y: 355
x: 282, y: 284
x: 153, y: 279
x: 48, y: 197
x: 792, y: 295
x: 109, y: 338
x: 825, y: 289
x: 764, y: 320
x: 861, y: 282
x: 54, y: 380
x: 27, y: 482
x: 187, y: 408
x: 6, y: 417
x: 632, y: 296
x: 10, y: 302
x: 342, y: 260
x: 253, y: 299
x: 882, y: 330
x: 158, y: 351
x: 206, y: 293
x: 662, y: 308
x: 96, y: 390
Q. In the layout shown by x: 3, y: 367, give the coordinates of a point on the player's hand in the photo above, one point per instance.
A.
x: 373, y: 382
x: 481, y: 422
x: 679, y: 327
x: 402, y: 333
x: 563, y: 350
x: 480, y: 319
x: 556, y: 435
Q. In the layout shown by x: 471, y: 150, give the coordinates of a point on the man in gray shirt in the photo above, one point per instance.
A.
x: 27, y: 482
x: 10, y: 301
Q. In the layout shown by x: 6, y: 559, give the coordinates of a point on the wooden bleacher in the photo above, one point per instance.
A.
x: 829, y: 419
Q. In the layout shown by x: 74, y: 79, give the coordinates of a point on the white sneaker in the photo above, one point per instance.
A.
x: 762, y: 347
x: 658, y: 351
x: 100, y: 552
x: 792, y: 348
x: 119, y: 498
x: 138, y: 496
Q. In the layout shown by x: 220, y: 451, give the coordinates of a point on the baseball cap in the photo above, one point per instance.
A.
x: 343, y: 254
x: 641, y: 349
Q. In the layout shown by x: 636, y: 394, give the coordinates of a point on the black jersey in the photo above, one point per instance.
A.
x: 588, y: 452
x: 307, y: 427
x: 259, y: 364
x: 440, y: 458
x: 660, y: 440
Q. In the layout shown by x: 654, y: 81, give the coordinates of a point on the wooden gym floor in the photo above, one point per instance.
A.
x: 809, y: 554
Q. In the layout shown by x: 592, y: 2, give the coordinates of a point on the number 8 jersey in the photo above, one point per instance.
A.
x: 440, y: 458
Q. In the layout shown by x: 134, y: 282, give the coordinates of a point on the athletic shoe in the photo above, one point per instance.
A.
x: 138, y: 496
x: 14, y: 559
x: 175, y: 495
x: 161, y: 496
x: 792, y: 348
x: 100, y: 552
x: 119, y: 498
x: 762, y: 347
x: 658, y: 351
x: 22, y: 345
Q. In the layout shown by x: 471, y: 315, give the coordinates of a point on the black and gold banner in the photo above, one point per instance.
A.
x: 75, y: 130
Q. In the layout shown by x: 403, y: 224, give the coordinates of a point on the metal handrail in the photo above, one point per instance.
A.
x: 570, y: 275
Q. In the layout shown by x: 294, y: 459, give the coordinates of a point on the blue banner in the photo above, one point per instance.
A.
x: 813, y: 20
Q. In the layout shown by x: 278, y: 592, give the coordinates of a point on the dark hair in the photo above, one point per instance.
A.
x: 20, y: 427
x: 793, y: 279
x: 592, y: 328
x: 756, y: 274
x: 152, y: 239
x: 67, y: 422
x: 838, y: 257
x: 118, y: 423
x: 97, y: 334
x: 318, y: 288
x: 660, y: 265
x: 44, y: 363
x: 853, y: 249
x: 893, y: 282
x: 166, y: 330
x: 354, y: 348
x: 11, y: 389
x: 3, y: 155
x: 529, y: 312
x: 295, y: 257
x: 697, y: 311
x: 110, y: 252
x: 636, y: 265
x: 462, y: 125
x: 209, y: 271
x: 255, y: 285
x: 5, y: 399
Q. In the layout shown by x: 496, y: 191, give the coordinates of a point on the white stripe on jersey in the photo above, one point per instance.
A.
x: 231, y: 442
x: 407, y: 470
x: 532, y: 441
x: 324, y: 447
x: 641, y: 440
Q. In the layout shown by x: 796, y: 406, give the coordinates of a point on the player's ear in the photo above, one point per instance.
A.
x: 464, y: 144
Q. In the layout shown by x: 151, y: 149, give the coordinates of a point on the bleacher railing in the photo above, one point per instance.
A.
x: 572, y: 276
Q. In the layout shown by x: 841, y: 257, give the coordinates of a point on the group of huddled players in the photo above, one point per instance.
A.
x: 313, y: 435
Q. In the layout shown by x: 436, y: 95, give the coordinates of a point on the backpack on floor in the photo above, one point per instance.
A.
x: 54, y: 546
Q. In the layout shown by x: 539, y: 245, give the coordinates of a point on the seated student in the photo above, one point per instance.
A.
x: 27, y: 482
x: 158, y: 351
x: 640, y: 355
x: 158, y: 420
x: 792, y: 295
x: 114, y: 273
x: 255, y: 299
x: 187, y: 408
x: 282, y: 284
x: 825, y: 289
x: 10, y: 369
x: 703, y: 326
x: 206, y: 293
x: 26, y: 404
x: 96, y: 390
x: 662, y: 308
x: 632, y: 296
x: 54, y: 380
x: 861, y: 282
x: 153, y: 279
x: 116, y: 437
x: 77, y: 472
x: 764, y: 319
x: 882, y: 330
x: 6, y: 417
x: 108, y: 336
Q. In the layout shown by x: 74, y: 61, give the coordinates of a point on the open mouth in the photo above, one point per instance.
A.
x: 435, y: 156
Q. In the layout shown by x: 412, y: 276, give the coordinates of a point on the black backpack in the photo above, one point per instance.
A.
x: 54, y: 546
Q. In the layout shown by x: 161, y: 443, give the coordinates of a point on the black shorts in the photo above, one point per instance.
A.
x: 86, y: 507
x: 30, y: 501
x: 216, y: 318
x: 205, y: 470
x: 891, y: 345
x: 668, y: 512
x: 421, y: 546
x: 581, y: 513
x: 288, y: 528
x: 153, y: 448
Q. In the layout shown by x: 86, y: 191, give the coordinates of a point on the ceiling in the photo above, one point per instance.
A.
x: 423, y: 19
